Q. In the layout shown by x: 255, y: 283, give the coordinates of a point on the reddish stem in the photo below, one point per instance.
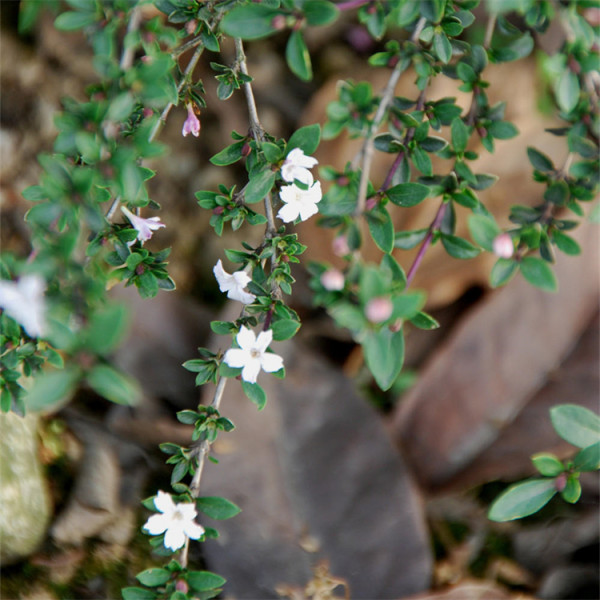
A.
x: 350, y: 4
x: 426, y: 242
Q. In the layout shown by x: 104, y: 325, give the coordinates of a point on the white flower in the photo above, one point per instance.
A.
x: 23, y: 300
x: 176, y: 521
x: 298, y: 202
x: 503, y: 245
x: 233, y: 284
x: 251, y: 354
x: 296, y: 166
x: 333, y: 280
x: 144, y: 227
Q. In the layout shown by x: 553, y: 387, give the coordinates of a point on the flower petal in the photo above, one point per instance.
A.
x: 271, y: 362
x: 236, y: 357
x: 193, y: 530
x: 164, y: 502
x: 174, y: 537
x: 241, y: 296
x: 289, y: 212
x: 307, y: 210
x: 263, y: 340
x: 251, y: 370
x: 245, y: 338
x: 156, y: 524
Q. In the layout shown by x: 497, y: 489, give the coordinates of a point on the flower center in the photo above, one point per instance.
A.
x: 177, y: 515
x: 254, y: 353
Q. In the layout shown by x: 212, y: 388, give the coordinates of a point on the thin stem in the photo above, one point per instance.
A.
x: 489, y: 30
x: 426, y: 242
x: 129, y: 53
x: 257, y: 130
x: 187, y: 46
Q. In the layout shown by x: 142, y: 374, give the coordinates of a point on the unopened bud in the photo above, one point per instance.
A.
x: 379, y: 309
x: 140, y: 269
x: 147, y: 112
x: 218, y: 210
x: 342, y: 180
x: 246, y: 149
x: 340, y: 246
x: 503, y: 245
x: 482, y: 131
x: 190, y: 26
x: 396, y: 326
x: 278, y: 22
x: 371, y: 202
x: 147, y: 60
x: 333, y: 280
x: 393, y: 61
x: 182, y: 586
x: 560, y: 483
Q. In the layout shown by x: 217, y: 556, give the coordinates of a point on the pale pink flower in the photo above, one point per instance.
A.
x: 379, y: 309
x: 296, y: 166
x: 191, y: 124
x: 299, y: 202
x: 176, y: 521
x: 340, y: 246
x: 252, y: 355
x: 333, y: 280
x: 503, y: 245
x: 24, y: 301
x: 233, y: 284
x: 144, y: 227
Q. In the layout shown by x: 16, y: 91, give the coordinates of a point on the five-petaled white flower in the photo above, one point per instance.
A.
x: 191, y: 124
x: 233, y: 284
x: 251, y: 354
x: 299, y: 202
x: 176, y: 521
x: 296, y: 166
x: 23, y: 300
x: 144, y: 227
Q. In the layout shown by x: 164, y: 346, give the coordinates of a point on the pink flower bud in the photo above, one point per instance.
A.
x: 190, y: 26
x: 333, y: 280
x: 278, y: 22
x: 246, y: 149
x: 218, y: 210
x: 147, y: 112
x: 182, y: 586
x: 560, y: 483
x: 192, y: 123
x: 379, y: 309
x: 503, y: 246
x: 340, y: 246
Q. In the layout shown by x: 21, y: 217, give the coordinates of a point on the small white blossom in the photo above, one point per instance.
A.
x: 233, y: 284
x: 296, y: 166
x: 333, y: 280
x: 379, y: 309
x: 144, y: 227
x: 176, y: 521
x: 252, y: 356
x: 191, y: 124
x: 298, y: 202
x: 24, y: 301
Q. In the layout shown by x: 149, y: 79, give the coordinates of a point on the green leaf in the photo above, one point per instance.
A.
x: 588, y: 459
x: 249, y: 21
x: 457, y: 247
x: 107, y: 328
x: 228, y: 155
x: 576, y: 424
x: 408, y: 304
x: 522, y: 499
x: 424, y: 321
x: 136, y: 593
x: 217, y: 508
x: 71, y: 21
x: 306, y: 138
x: 52, y: 389
x: 381, y: 228
x: 384, y: 355
x: 409, y: 239
x: 273, y: 153
x: 284, y: 329
x: 539, y: 160
x: 459, y: 133
x: 153, y: 577
x: 407, y: 194
x: 547, y: 464
x: 503, y: 271
x: 114, y: 385
x: 557, y: 193
x: 349, y: 316
x: 538, y: 273
x: 259, y: 186
x: 320, y: 12
x: 572, y: 491
x: 297, y: 56
x: 203, y: 581
x: 567, y: 90
x: 483, y: 230
x: 503, y: 130
x: 566, y: 243
x: 442, y: 47
x: 255, y: 394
